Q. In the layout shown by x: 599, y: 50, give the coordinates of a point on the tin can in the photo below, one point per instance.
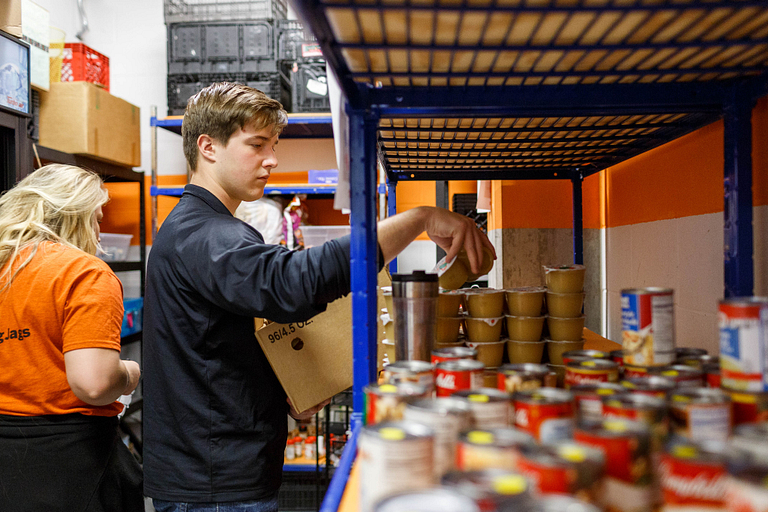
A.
x: 497, y: 448
x: 446, y: 417
x: 634, y: 371
x: 592, y: 370
x: 416, y: 372
x: 617, y: 356
x: 683, y: 376
x: 752, y: 439
x: 490, y: 487
x: 489, y: 407
x: 692, y: 477
x: 386, y: 402
x: 648, y: 326
x: 520, y: 377
x: 748, y: 407
x: 698, y: 361
x: 564, y: 468
x: 629, y: 484
x: 394, y: 457
x: 700, y: 414
x: 712, y: 375
x: 575, y: 355
x: 649, y: 410
x: 547, y: 413
x: 659, y: 387
x: 453, y: 376
x: 428, y: 500
x: 554, y: 503
x: 588, y: 398
x: 746, y: 489
x: 681, y: 352
x: 743, y: 325
x: 440, y: 355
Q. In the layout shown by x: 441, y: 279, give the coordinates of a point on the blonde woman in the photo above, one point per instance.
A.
x: 60, y: 369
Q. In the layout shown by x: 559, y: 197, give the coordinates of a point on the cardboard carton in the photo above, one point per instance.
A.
x: 10, y: 17
x: 82, y: 118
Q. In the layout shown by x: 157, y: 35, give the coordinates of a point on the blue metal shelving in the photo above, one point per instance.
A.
x: 535, y: 90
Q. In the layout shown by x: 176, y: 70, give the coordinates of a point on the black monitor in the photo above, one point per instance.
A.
x: 14, y: 75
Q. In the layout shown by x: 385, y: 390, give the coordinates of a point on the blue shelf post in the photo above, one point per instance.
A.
x: 578, y: 221
x: 364, y: 253
x: 737, y: 211
x: 391, y: 212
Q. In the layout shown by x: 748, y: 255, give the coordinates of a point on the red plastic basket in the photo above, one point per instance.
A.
x: 83, y: 64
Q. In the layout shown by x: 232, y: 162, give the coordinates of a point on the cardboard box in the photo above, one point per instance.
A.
x: 82, y: 118
x: 10, y: 17
x: 35, y: 26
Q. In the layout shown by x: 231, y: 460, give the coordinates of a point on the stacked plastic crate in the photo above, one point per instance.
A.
x: 303, y: 68
x: 212, y: 41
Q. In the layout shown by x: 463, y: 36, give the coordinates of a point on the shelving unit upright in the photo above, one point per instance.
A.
x: 530, y: 90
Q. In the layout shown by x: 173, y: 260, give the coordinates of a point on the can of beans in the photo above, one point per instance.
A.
x: 693, y: 477
x: 497, y: 448
x: 588, y: 398
x: 712, y: 375
x: 634, y: 371
x: 681, y: 352
x: 746, y: 489
x: 629, y: 484
x: 490, y: 487
x: 417, y: 372
x: 659, y: 387
x: 748, y: 407
x: 519, y: 377
x: 683, y: 376
x: 617, y: 356
x: 394, y: 457
x: 576, y: 355
x: 589, y: 371
x: 440, y: 355
x: 701, y: 414
x: 386, y: 402
x: 743, y: 325
x: 446, y: 417
x: 489, y: 407
x: 650, y: 410
x: 648, y: 326
x: 428, y: 500
x: 453, y: 376
x: 564, y: 468
x: 547, y: 413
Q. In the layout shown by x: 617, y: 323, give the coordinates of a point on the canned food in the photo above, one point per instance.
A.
x: 490, y: 487
x: 428, y: 500
x: 634, y: 371
x: 692, y: 477
x: 394, y: 457
x: 629, y: 484
x: 564, y: 468
x: 592, y: 370
x: 698, y: 361
x: 555, y: 503
x: 446, y: 417
x: 683, y: 376
x: 700, y: 414
x: 650, y: 410
x: 547, y: 413
x: 440, y: 355
x: 489, y: 407
x: 575, y: 355
x: 617, y: 356
x: 588, y: 398
x: 452, y: 376
x: 519, y: 377
x: 681, y: 352
x: 746, y: 489
x: 648, y: 326
x: 656, y: 386
x: 743, y: 338
x: 752, y: 438
x: 497, y: 448
x: 417, y: 372
x: 386, y: 402
x: 748, y: 407
x: 712, y: 375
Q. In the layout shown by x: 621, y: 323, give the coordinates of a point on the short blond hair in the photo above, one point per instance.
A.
x: 223, y: 107
x: 56, y: 203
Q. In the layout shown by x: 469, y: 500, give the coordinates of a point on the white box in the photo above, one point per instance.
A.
x: 115, y: 246
x: 318, y: 235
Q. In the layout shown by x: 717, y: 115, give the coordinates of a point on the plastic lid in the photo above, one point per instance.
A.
x: 311, y: 439
x: 291, y: 441
x: 417, y: 276
x: 475, y: 397
x: 684, y: 451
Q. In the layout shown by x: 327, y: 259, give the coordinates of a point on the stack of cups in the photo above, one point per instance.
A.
x: 525, y: 323
x: 565, y: 302
x: 449, y: 319
x: 485, y: 313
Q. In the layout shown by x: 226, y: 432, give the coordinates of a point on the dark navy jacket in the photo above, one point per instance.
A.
x: 214, y: 413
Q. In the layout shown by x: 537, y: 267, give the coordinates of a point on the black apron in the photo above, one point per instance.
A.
x: 67, y: 463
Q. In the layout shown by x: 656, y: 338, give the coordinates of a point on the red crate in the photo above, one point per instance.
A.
x: 83, y: 64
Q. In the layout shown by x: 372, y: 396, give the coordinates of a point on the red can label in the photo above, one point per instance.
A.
x: 691, y: 483
x: 749, y: 407
x: 548, y: 478
x: 576, y: 376
x: 713, y: 378
x: 622, y: 460
x: 632, y: 372
x: 545, y: 422
x: 447, y: 382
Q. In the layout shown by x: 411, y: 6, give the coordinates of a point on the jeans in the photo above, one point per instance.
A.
x: 263, y: 505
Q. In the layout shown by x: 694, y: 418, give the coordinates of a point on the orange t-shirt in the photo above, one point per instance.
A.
x: 64, y: 299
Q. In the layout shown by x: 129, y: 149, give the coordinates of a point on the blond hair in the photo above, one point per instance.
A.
x: 56, y: 203
x: 223, y: 107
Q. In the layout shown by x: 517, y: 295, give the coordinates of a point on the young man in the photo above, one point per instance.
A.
x: 215, y: 414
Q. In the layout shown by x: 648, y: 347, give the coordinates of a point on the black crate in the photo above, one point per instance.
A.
x: 309, y: 86
x: 302, y: 491
x: 294, y: 43
x: 182, y: 87
x: 181, y: 11
x: 247, y: 47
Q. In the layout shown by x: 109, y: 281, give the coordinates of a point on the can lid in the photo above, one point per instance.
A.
x: 572, y: 453
x: 605, y: 391
x: 475, y: 397
x: 417, y: 276
x: 480, y: 437
x: 392, y: 434
x: 510, y: 485
x: 685, y: 451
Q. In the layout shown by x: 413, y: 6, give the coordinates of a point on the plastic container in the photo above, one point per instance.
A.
x: 318, y: 235
x: 489, y: 353
x: 290, y: 453
x: 484, y: 302
x: 484, y: 329
x: 565, y: 305
x: 526, y: 301
x: 565, y: 278
x: 520, y: 352
x: 556, y: 349
x: 115, y: 246
x: 447, y: 329
x: 525, y: 328
x: 565, y: 329
x: 81, y: 63
x: 449, y: 302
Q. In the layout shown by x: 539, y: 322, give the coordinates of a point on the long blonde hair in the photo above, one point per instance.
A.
x: 56, y: 203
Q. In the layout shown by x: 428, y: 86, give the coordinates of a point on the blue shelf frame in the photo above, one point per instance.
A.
x: 320, y: 190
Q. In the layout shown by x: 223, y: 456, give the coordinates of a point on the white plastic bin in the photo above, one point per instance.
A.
x: 116, y: 246
x: 318, y: 235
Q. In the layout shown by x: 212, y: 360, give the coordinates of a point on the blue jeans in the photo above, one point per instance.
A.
x: 263, y: 505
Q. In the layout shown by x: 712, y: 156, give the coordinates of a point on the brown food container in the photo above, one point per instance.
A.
x: 565, y: 329
x: 486, y: 266
x: 484, y: 302
x: 483, y: 329
x: 525, y: 328
x: 525, y: 301
x: 448, y: 303
x: 447, y: 329
x: 451, y: 275
x: 488, y: 353
x: 564, y: 278
x: 520, y: 352
x: 556, y: 349
x: 459, y: 343
x: 565, y: 305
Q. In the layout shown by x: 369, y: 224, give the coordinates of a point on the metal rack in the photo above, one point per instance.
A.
x: 529, y: 89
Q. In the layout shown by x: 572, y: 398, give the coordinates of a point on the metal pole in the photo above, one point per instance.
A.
x: 153, y: 165
x: 392, y: 207
x: 578, y: 220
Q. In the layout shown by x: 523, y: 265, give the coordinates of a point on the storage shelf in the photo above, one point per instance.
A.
x: 125, y: 266
x: 109, y: 171
x: 312, y: 190
x: 300, y: 126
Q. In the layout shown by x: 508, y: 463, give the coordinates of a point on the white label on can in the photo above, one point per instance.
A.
x: 624, y: 497
x: 590, y: 408
x: 662, y: 307
x: 741, y: 496
x: 555, y: 429
x: 709, y: 423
